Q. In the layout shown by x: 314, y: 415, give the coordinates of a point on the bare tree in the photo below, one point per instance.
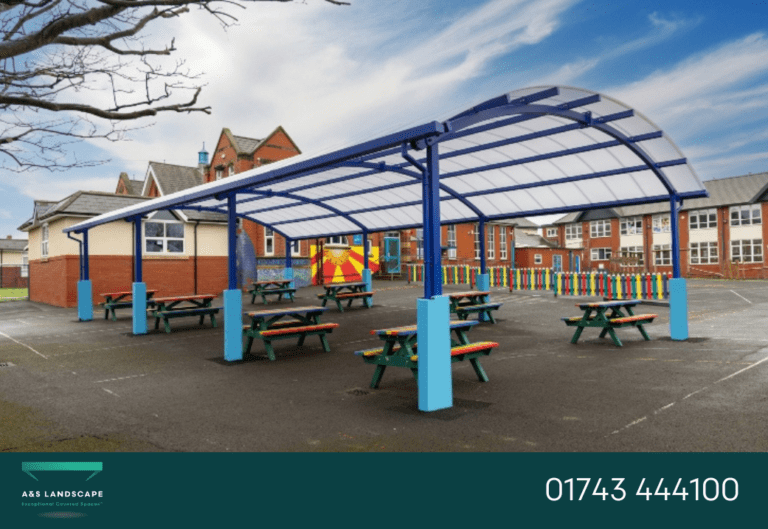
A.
x: 72, y: 70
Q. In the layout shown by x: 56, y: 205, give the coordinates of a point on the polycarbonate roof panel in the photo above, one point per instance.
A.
x: 532, y: 151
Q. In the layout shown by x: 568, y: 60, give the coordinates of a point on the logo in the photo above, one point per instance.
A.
x: 28, y: 468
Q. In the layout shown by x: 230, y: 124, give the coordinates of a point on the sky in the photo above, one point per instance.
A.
x: 334, y: 76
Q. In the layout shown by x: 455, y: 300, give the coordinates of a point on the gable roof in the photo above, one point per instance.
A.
x: 524, y: 239
x: 247, y: 146
x: 14, y: 245
x: 82, y: 203
x: 134, y: 187
x: 171, y: 178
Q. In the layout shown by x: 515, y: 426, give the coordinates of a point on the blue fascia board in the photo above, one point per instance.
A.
x: 261, y: 177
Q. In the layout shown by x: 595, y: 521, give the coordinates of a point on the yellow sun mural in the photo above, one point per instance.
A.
x: 341, y: 264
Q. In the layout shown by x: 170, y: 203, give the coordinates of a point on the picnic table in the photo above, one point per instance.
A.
x: 274, y: 287
x: 116, y: 300
x: 338, y: 292
x: 400, y: 350
x: 465, y: 303
x: 608, y: 316
x: 180, y: 306
x: 297, y: 322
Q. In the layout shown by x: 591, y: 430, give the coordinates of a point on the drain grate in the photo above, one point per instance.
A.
x: 6, y: 364
x: 357, y: 392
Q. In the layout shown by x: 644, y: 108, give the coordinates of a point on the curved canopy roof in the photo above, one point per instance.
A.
x: 530, y: 152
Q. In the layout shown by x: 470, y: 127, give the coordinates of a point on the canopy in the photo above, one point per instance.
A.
x: 534, y: 151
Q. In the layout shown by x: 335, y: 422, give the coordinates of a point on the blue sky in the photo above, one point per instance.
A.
x: 336, y: 75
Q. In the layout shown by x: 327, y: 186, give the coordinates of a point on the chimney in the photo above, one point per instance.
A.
x: 202, y: 160
x: 8, y: 237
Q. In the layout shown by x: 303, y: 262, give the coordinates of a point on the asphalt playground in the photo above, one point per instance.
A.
x: 69, y: 386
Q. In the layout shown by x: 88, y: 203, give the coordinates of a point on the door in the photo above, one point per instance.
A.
x: 557, y: 263
x: 391, y: 264
x: 576, y: 263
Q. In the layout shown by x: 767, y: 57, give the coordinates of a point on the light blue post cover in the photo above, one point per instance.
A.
x: 434, y: 339
x: 139, y: 308
x: 288, y: 274
x: 483, y: 283
x: 678, y: 309
x: 368, y: 280
x: 233, y: 325
x: 84, y: 300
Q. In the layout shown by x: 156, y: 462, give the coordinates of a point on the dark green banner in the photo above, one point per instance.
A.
x: 286, y: 490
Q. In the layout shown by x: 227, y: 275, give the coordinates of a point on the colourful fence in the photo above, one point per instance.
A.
x: 603, y: 284
x: 463, y: 275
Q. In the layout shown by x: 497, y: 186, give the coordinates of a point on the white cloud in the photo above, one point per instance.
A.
x: 44, y: 186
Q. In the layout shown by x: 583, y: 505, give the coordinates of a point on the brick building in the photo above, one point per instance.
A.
x: 720, y: 236
x: 13, y: 263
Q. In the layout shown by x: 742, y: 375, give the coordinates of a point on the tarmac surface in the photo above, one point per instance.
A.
x: 69, y: 386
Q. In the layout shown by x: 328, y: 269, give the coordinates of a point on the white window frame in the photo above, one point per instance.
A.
x: 662, y: 223
x: 163, y: 238
x: 477, y: 242
x: 451, y: 241
x: 491, y: 242
x: 600, y: 254
x: 746, y: 215
x: 753, y: 245
x: 632, y: 251
x: 269, y: 241
x: 419, y: 243
x: 573, y: 231
x: 295, y: 248
x: 551, y: 232
x: 697, y: 249
x: 662, y: 255
x: 336, y: 240
x: 600, y: 228
x: 44, y: 241
x: 537, y: 259
x: 219, y: 174
x: 697, y: 214
x: 503, y: 243
x: 631, y: 226
x: 231, y: 170
x: 25, y: 265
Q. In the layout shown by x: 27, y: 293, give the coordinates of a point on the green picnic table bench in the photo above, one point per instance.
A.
x: 608, y: 316
x: 400, y: 347
x: 183, y: 306
x: 303, y: 322
x: 276, y: 287
x: 117, y: 300
x: 340, y: 292
x: 473, y: 302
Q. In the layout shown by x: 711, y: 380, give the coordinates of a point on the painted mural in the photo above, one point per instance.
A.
x: 341, y: 263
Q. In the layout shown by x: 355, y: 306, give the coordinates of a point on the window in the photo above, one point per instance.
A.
x: 163, y: 237
x: 44, y: 241
x: 295, y: 248
x: 631, y: 226
x: 573, y: 231
x: 503, y: 243
x: 661, y: 223
x: 703, y: 252
x: 25, y: 265
x: 219, y: 173
x: 419, y: 244
x: 337, y: 239
x: 231, y: 170
x: 745, y: 215
x: 452, y: 241
x: 477, y: 241
x: 662, y: 254
x: 537, y: 259
x: 269, y: 242
x: 492, y: 242
x: 631, y: 255
x: 747, y: 251
x: 551, y: 232
x: 702, y: 218
x: 600, y: 228
x: 601, y: 254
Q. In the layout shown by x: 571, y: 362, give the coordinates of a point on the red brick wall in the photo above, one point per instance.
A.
x: 10, y: 277
x: 55, y: 281
x: 526, y: 257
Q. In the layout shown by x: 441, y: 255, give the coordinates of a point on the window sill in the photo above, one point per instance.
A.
x: 153, y: 257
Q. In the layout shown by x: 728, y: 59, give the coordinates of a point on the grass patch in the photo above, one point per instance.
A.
x: 13, y: 293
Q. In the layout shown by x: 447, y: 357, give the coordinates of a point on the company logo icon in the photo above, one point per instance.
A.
x: 47, y: 466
